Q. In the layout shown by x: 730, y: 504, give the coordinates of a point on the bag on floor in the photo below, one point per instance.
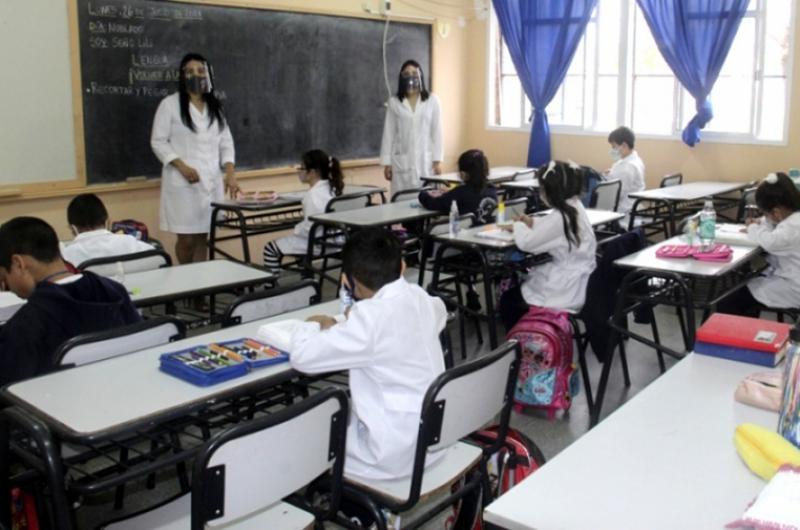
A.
x: 547, y: 377
x: 131, y: 227
x: 23, y: 511
x: 517, y: 458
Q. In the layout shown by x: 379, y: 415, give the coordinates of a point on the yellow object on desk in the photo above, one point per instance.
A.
x: 764, y: 450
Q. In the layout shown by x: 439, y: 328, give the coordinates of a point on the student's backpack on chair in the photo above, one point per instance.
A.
x: 547, y: 377
x: 131, y: 227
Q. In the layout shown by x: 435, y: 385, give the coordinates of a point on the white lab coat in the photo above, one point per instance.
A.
x: 314, y: 202
x: 630, y: 172
x: 185, y: 207
x: 100, y: 244
x: 390, y: 345
x: 412, y: 141
x: 561, y: 282
x: 780, y: 287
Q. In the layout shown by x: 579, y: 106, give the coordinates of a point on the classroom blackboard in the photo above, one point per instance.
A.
x: 289, y: 81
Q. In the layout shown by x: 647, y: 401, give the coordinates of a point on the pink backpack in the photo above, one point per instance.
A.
x: 547, y: 377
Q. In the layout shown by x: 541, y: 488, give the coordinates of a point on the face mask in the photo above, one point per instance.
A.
x: 411, y: 82
x: 197, y: 84
x: 614, y: 153
x: 350, y: 291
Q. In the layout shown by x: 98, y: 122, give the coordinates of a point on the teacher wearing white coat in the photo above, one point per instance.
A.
x: 193, y: 141
x: 412, y: 132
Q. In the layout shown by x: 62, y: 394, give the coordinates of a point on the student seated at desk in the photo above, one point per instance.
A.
x: 475, y: 196
x: 323, y: 175
x: 566, y: 234
x: 778, y: 233
x: 88, y: 220
x: 60, y: 305
x: 390, y: 344
x: 628, y: 167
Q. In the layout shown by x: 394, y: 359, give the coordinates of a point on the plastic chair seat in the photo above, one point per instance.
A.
x: 176, y: 515
x: 458, y: 459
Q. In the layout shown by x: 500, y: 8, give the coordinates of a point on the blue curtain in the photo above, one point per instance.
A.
x: 542, y: 36
x: 694, y: 36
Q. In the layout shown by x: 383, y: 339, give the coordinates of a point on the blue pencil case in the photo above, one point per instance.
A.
x: 255, y: 353
x: 200, y: 366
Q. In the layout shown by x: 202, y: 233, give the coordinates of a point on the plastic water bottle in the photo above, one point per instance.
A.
x: 454, y: 226
x: 691, y: 230
x: 501, y: 213
x: 708, y: 223
x: 345, y: 298
x: 789, y: 419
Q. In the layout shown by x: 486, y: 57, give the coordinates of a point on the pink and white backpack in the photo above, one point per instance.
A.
x: 547, y: 377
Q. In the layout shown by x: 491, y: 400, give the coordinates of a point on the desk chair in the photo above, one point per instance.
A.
x: 136, y: 262
x: 409, y: 194
x: 242, y: 474
x: 92, y: 347
x: 458, y: 402
x: 748, y: 198
x: 605, y: 195
x: 516, y: 207
x: 672, y: 179
x: 271, y: 302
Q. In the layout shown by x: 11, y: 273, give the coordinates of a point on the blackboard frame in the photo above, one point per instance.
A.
x: 81, y: 138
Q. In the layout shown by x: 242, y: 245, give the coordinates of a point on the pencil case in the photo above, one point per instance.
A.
x: 674, y: 251
x: 255, y: 353
x: 714, y: 252
x: 200, y: 366
x: 763, y: 390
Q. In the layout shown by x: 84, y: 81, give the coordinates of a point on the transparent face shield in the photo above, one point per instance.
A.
x: 199, y: 82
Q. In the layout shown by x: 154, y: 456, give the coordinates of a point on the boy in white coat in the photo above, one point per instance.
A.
x: 390, y: 345
x: 628, y: 168
x: 88, y: 218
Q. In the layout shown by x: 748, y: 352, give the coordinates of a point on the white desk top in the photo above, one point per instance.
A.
x: 9, y: 304
x: 105, y: 396
x: 663, y: 460
x: 381, y: 215
x: 179, y: 281
x: 496, y: 174
x: 690, y: 191
x: 526, y: 184
x: 470, y: 235
x: 646, y: 259
x: 289, y: 198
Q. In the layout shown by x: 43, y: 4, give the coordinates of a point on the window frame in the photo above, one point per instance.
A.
x: 625, y: 93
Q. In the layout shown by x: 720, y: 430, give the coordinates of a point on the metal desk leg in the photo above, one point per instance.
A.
x: 488, y: 290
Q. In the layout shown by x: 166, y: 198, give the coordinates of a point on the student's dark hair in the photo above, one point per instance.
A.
x: 328, y: 168
x: 622, y: 135
x: 215, y: 111
x: 29, y: 236
x: 782, y: 192
x: 372, y: 256
x: 475, y: 164
x: 401, y: 89
x: 561, y: 181
x: 86, y: 212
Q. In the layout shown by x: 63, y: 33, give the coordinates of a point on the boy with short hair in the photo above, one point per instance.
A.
x: 628, y: 167
x: 60, y: 304
x: 389, y: 343
x: 88, y: 219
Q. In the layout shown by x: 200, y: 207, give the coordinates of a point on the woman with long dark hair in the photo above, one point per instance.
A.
x: 193, y: 141
x: 412, y: 132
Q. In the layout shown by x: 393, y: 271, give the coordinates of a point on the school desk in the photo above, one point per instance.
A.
x: 670, y: 199
x: 663, y: 460
x: 381, y: 215
x: 169, y: 284
x: 125, y: 403
x: 496, y: 175
x: 253, y: 219
x: 489, y: 262
x: 9, y: 305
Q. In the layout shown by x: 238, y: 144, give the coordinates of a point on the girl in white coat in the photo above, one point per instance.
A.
x: 412, y: 133
x: 325, y: 180
x: 193, y: 141
x: 566, y: 235
x: 778, y: 233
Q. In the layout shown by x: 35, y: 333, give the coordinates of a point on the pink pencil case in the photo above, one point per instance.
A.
x: 714, y: 252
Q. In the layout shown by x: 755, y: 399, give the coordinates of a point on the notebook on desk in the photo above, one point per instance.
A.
x: 732, y: 235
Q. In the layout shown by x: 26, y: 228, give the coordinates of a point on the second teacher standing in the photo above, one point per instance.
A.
x: 412, y: 133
